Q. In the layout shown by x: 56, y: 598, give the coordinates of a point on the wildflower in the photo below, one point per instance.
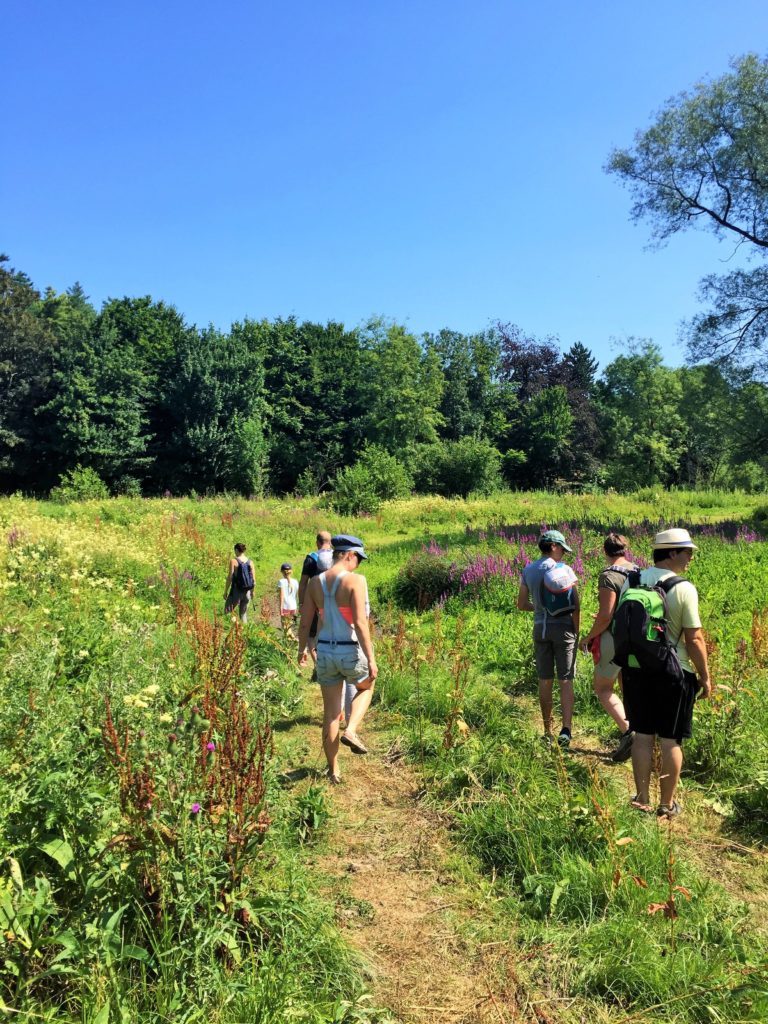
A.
x: 210, y: 747
x: 83, y: 654
x: 165, y: 718
x: 195, y: 809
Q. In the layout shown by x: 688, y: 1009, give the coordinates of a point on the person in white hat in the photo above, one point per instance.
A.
x: 659, y: 707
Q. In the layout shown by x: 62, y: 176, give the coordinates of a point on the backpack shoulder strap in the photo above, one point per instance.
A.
x: 633, y: 577
x: 670, y: 582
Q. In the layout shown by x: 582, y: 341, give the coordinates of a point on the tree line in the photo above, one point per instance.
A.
x: 151, y: 404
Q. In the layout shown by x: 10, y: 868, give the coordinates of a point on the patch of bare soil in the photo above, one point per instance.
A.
x: 398, y: 903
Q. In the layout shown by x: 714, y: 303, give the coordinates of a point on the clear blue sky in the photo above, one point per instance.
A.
x: 434, y: 161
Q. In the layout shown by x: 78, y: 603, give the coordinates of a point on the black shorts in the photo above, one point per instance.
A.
x: 657, y: 707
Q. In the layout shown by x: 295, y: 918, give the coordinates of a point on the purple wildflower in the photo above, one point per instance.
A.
x: 195, y: 809
x: 210, y: 747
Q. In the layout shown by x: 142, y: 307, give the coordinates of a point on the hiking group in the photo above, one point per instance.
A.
x: 647, y: 634
x: 333, y: 631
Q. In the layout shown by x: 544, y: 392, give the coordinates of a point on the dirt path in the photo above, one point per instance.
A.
x: 389, y: 867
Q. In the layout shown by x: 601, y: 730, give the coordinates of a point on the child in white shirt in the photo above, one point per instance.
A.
x: 289, y: 600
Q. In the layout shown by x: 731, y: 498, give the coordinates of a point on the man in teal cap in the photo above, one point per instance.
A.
x: 555, y: 627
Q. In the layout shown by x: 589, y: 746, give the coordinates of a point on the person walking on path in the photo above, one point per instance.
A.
x: 238, y: 591
x: 599, y: 640
x: 316, y: 562
x: 656, y: 705
x: 344, y: 648
x: 555, y: 633
x: 289, y: 606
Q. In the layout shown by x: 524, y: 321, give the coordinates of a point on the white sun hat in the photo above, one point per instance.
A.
x: 674, y: 538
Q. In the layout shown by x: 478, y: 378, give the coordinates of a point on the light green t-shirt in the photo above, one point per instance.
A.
x: 683, y: 607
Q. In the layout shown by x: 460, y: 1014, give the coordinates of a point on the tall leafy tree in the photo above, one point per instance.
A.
x: 214, y: 401
x: 96, y: 417
x: 404, y: 387
x: 641, y: 422
x: 27, y: 347
x: 704, y: 163
x: 549, y: 426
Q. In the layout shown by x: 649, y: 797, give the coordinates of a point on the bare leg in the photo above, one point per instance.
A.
x: 332, y: 696
x: 611, y: 701
x: 545, y: 703
x: 566, y: 702
x: 360, y: 705
x: 642, y: 764
x: 671, y: 766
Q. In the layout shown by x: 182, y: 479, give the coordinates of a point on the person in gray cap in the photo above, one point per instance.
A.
x: 660, y: 706
x: 555, y: 635
x: 344, y: 648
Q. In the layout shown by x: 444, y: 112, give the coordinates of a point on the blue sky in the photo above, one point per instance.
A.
x: 433, y: 161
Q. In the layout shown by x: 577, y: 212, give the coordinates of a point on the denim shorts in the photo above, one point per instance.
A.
x: 340, y: 664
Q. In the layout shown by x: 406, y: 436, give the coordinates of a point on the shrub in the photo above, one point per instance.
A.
x: 427, y: 576
x: 458, y: 468
x: 79, y: 484
x: 128, y: 487
x: 376, y: 477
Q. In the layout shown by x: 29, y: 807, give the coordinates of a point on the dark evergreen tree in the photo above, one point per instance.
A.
x: 27, y: 346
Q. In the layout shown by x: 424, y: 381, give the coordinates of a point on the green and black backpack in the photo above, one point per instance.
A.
x: 640, y: 628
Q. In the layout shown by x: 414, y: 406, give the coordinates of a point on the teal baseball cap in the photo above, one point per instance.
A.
x: 555, y: 537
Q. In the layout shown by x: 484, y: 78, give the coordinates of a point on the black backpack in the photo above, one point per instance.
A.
x: 243, y: 576
x: 640, y: 628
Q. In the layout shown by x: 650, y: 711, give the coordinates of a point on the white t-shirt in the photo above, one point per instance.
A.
x: 683, y: 607
x: 289, y: 594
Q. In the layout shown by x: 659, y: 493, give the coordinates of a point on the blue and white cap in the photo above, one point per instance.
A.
x: 346, y: 542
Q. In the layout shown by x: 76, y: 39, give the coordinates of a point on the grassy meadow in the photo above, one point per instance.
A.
x: 155, y: 862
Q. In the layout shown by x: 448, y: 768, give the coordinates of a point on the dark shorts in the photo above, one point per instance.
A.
x: 237, y: 599
x: 657, y: 707
x: 313, y: 627
x: 555, y: 649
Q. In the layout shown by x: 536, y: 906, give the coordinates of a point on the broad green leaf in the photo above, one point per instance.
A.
x: 60, y: 850
x: 102, y: 1017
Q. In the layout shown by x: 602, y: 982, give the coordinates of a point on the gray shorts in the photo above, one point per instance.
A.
x: 556, y: 650
x: 341, y: 664
x: 605, y: 666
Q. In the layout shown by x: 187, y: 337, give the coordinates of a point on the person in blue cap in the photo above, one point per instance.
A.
x: 344, y: 649
x: 555, y: 629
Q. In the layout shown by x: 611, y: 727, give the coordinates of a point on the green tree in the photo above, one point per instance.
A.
x: 706, y: 406
x: 27, y: 346
x: 641, y: 422
x: 403, y: 389
x: 214, y: 401
x: 549, y: 423
x: 577, y: 375
x: 314, y: 401
x: 97, y: 413
x: 703, y: 163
